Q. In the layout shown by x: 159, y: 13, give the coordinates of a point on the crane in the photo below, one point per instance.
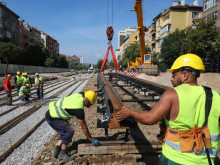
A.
x: 139, y: 12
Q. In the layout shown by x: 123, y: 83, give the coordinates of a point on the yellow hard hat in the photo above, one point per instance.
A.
x: 28, y: 85
x: 18, y: 72
x: 91, y: 96
x: 25, y: 73
x: 188, y: 60
x: 36, y: 74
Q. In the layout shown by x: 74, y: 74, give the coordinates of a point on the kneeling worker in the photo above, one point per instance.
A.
x: 25, y: 92
x: 64, y: 109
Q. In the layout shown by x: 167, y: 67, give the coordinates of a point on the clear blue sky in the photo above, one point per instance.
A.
x: 80, y: 25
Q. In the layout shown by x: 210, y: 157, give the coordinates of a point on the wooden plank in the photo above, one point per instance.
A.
x: 119, y: 148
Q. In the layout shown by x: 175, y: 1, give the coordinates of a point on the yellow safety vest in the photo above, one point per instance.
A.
x: 192, y: 101
x: 19, y: 79
x: 58, y: 108
x: 23, y: 90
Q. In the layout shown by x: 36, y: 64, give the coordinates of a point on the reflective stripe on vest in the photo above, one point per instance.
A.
x: 62, y: 110
x: 211, y: 151
x: 19, y: 79
x: 58, y: 108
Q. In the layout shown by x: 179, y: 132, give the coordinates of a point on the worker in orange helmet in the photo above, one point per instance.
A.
x: 191, y: 113
x: 61, y: 111
x: 7, y: 88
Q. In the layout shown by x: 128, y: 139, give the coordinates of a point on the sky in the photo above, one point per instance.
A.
x: 80, y: 26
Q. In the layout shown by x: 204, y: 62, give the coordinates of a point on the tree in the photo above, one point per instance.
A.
x: 49, y: 62
x: 111, y: 63
x: 9, y: 52
x: 131, y: 53
x: 203, y: 39
x: 172, y: 47
x: 99, y: 64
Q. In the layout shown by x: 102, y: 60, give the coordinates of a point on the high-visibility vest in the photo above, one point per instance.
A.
x: 192, y: 101
x: 58, y: 108
x: 19, y: 79
x: 40, y: 79
x: 23, y: 90
x: 26, y: 80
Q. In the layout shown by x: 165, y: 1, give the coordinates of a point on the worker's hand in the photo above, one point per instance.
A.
x: 95, y: 142
x: 123, y: 113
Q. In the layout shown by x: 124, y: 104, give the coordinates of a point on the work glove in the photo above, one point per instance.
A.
x: 95, y: 142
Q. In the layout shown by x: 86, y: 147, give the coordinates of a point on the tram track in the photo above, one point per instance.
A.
x: 21, y: 140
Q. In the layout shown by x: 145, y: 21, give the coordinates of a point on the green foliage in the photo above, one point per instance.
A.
x: 111, y: 63
x: 202, y: 39
x: 49, y: 62
x: 131, y: 53
x: 99, y: 64
x: 9, y: 52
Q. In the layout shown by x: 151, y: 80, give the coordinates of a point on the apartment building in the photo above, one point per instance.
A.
x: 50, y: 43
x: 211, y: 9
x: 122, y: 35
x: 28, y: 35
x: 178, y: 16
x: 132, y: 38
x: 8, y: 24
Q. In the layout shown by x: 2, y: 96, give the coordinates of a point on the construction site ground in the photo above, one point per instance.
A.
x: 44, y: 157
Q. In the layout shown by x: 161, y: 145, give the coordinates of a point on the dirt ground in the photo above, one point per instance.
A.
x: 44, y: 157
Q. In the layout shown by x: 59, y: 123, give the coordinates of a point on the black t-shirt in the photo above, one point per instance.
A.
x: 79, y: 113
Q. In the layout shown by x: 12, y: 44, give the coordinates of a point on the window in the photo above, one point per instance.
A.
x: 0, y: 22
x: 167, y: 17
x: 158, y: 23
x: 158, y: 34
x: 165, y: 29
x: 195, y: 15
x: 209, y: 4
x: 8, y: 34
x: 0, y: 11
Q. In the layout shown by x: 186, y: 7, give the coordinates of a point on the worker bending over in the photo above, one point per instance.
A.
x: 18, y: 81
x: 191, y: 115
x: 38, y: 84
x: 7, y: 88
x: 25, y: 92
x: 64, y: 109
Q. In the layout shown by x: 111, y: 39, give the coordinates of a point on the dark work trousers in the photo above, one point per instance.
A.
x: 18, y: 89
x: 9, y: 98
x: 63, y: 128
x: 40, y: 93
x: 24, y: 97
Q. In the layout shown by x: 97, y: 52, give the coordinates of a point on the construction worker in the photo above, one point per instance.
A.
x: 25, y: 92
x: 26, y: 79
x: 38, y: 84
x: 64, y: 109
x: 191, y: 114
x: 7, y: 87
x: 18, y: 81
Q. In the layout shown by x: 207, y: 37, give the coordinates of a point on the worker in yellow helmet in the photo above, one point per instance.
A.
x: 18, y: 81
x: 25, y: 92
x: 38, y: 84
x: 191, y: 113
x: 26, y: 79
x: 64, y: 109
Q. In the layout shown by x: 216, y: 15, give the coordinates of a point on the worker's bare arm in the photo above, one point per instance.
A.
x: 161, y: 109
x: 85, y: 129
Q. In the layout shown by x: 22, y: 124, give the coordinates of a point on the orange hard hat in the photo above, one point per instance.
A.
x: 9, y: 75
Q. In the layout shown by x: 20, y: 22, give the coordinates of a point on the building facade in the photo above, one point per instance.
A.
x: 178, y: 16
x: 28, y: 35
x: 122, y: 35
x: 211, y: 9
x: 50, y: 43
x: 8, y: 24
x: 81, y: 59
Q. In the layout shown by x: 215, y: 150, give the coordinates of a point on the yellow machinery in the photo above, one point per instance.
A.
x: 145, y: 59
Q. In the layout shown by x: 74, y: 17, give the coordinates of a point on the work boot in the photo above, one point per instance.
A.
x: 56, y: 151
x: 63, y: 156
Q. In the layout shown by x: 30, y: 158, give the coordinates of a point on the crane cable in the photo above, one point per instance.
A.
x: 108, y: 13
